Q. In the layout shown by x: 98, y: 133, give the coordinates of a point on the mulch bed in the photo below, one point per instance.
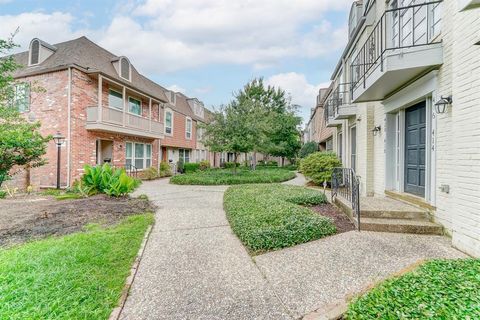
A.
x: 340, y: 219
x: 35, y: 217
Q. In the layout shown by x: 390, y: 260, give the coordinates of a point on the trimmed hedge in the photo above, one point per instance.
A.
x: 439, y: 289
x: 319, y: 166
x: 273, y: 217
x: 227, y: 177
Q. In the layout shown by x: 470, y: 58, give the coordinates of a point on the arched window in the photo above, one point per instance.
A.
x: 125, y: 69
x: 34, y: 52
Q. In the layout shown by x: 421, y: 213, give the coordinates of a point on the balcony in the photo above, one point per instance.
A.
x: 329, y: 115
x: 117, y: 121
x: 343, y: 108
x: 402, y: 45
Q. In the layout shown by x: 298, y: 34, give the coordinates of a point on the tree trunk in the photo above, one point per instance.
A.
x: 283, y: 161
x: 235, y: 163
x: 254, y: 165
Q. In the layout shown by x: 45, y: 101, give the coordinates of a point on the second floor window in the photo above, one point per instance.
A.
x: 115, y: 99
x: 188, y: 129
x: 168, y: 122
x: 22, y: 97
x: 134, y: 106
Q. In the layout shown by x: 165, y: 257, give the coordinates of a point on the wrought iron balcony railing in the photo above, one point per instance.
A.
x: 342, y: 95
x: 398, y: 28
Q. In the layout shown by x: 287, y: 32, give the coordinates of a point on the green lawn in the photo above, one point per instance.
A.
x: 227, y: 177
x: 269, y: 217
x: 79, y: 276
x: 439, y: 289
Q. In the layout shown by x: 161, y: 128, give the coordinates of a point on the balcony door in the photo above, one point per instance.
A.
x: 415, y: 156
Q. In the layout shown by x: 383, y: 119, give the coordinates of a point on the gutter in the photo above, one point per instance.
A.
x: 69, y: 127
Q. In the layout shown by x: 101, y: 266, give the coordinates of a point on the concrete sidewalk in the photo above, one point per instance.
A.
x: 194, y: 267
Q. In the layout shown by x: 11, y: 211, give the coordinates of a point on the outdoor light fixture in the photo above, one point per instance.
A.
x: 441, y: 105
x: 58, y: 138
x: 376, y: 130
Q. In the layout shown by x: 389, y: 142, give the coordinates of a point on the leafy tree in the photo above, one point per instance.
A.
x: 20, y: 142
x: 307, y: 149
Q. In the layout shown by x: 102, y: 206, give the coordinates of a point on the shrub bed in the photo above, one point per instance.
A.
x: 191, y: 167
x: 439, y: 289
x: 227, y: 177
x: 79, y: 276
x: 273, y: 217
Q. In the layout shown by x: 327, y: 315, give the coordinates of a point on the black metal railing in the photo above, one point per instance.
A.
x: 346, y: 184
x: 398, y: 28
x: 342, y: 95
x: 130, y: 169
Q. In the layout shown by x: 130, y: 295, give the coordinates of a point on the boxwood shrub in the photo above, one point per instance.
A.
x: 270, y: 217
x: 318, y: 166
x: 191, y: 167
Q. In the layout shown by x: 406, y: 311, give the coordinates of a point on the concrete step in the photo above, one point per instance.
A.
x: 400, y: 226
x: 395, y: 214
x: 410, y: 199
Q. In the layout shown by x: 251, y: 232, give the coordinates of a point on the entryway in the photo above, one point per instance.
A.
x: 104, y: 151
x: 415, y: 142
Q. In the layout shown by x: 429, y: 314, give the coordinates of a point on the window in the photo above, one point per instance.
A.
x: 125, y: 69
x: 168, y: 122
x: 115, y: 99
x: 188, y: 129
x: 22, y: 97
x: 139, y: 155
x: 184, y: 154
x: 35, y: 52
x: 134, y: 106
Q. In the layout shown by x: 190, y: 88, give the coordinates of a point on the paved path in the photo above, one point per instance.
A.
x: 299, y: 180
x: 194, y: 267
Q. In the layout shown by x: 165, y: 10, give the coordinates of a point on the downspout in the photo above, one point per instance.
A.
x: 69, y: 128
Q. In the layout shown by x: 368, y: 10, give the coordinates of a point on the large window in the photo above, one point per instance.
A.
x: 184, y: 154
x: 115, y: 99
x: 138, y: 155
x: 22, y: 97
x: 134, y: 106
x: 188, y: 129
x: 168, y: 122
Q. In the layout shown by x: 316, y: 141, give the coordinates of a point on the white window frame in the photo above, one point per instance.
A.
x: 145, y: 155
x: 182, y: 151
x: 121, y: 94
x: 25, y: 95
x: 141, y: 106
x: 129, y: 69
x: 168, y: 110
x: 188, y: 134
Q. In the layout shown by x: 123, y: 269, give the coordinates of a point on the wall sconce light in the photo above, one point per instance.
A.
x: 376, y: 130
x: 441, y: 105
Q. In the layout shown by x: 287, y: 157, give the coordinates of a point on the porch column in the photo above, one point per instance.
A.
x: 150, y: 114
x: 100, y: 89
x: 124, y: 95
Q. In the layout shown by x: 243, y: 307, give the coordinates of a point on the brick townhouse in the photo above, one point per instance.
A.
x: 316, y: 129
x: 107, y: 111
x: 404, y: 109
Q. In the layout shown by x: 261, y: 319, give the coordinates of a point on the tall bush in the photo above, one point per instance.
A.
x: 307, y: 149
x: 105, y: 179
x: 318, y: 166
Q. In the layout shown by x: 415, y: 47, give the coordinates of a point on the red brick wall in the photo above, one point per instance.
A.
x: 178, y: 139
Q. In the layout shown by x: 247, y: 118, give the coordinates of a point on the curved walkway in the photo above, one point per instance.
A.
x: 194, y: 267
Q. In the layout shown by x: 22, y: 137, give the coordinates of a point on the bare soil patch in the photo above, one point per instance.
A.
x: 341, y: 220
x: 34, y: 217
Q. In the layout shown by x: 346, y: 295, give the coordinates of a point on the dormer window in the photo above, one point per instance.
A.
x: 34, y: 52
x: 125, y: 69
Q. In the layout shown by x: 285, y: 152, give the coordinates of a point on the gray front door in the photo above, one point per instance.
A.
x: 415, y: 138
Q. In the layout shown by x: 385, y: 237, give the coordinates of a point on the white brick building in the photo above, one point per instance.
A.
x: 402, y: 57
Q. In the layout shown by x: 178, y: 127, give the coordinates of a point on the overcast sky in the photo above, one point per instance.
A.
x: 206, y: 49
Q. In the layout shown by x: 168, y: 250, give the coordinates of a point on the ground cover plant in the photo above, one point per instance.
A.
x: 269, y: 217
x: 439, y: 289
x: 79, y: 276
x: 227, y: 177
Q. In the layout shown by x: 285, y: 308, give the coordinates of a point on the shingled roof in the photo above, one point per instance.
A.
x: 87, y: 55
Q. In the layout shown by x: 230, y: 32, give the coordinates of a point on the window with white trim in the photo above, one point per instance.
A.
x: 188, y: 128
x: 35, y: 52
x: 21, y: 99
x: 134, y: 106
x: 115, y: 99
x: 125, y: 70
x: 138, y: 155
x: 184, y: 154
x: 168, y: 122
